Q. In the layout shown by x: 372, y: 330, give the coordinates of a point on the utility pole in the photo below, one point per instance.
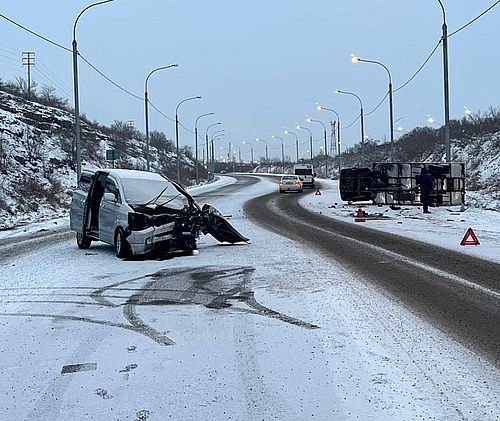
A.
x: 29, y: 60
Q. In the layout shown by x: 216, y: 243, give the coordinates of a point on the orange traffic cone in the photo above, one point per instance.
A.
x: 360, y: 216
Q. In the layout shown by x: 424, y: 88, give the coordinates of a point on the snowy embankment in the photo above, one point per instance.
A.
x: 445, y: 226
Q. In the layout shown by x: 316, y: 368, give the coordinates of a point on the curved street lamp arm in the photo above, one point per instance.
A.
x: 353, y: 94
x: 305, y: 128
x: 155, y: 70
x: 318, y: 121
x: 333, y: 111
x: 200, y: 116
x: 216, y: 132
x: 184, y: 100
x: 380, y: 64
x: 83, y: 11
x: 210, y: 126
x: 444, y: 11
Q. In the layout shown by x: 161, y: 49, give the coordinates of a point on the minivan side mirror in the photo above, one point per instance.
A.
x: 109, y: 197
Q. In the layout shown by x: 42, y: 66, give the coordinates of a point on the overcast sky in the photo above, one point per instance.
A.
x: 260, y: 65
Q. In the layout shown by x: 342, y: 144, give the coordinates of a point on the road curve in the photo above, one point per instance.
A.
x: 459, y: 294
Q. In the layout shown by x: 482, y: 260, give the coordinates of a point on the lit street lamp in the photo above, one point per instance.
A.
x: 246, y: 142
x: 239, y: 152
x: 391, y: 118
x: 265, y: 143
x: 75, y: 90
x: 469, y: 114
x: 321, y: 108
x: 196, y: 143
x: 309, y: 120
x: 296, y: 142
x: 177, y: 134
x: 446, y: 87
x: 146, y: 109
x: 432, y: 120
x: 362, y: 124
x: 310, y: 138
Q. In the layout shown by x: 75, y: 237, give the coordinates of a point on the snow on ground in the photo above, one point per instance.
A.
x: 445, y: 226
x: 370, y: 358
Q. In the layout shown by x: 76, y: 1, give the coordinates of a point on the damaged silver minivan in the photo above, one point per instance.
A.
x: 140, y: 212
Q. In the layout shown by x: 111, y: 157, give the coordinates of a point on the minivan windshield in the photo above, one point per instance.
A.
x: 159, y: 192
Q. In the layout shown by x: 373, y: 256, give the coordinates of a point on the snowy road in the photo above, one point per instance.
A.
x: 232, y: 333
x: 465, y: 298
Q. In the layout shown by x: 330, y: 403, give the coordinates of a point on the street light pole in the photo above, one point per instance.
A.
x: 265, y: 143
x: 309, y: 120
x: 362, y: 124
x: 239, y: 152
x: 391, y: 111
x: 282, y: 151
x: 446, y: 87
x: 251, y: 149
x: 208, y: 148
x: 75, y: 91
x: 219, y: 134
x: 321, y: 108
x: 310, y: 138
x: 196, y: 144
x: 177, y: 134
x: 296, y: 143
x: 146, y: 110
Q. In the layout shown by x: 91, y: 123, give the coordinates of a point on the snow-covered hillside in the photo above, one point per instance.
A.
x: 37, y: 172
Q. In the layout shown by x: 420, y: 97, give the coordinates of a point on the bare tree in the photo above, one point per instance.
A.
x: 32, y: 142
x: 22, y: 86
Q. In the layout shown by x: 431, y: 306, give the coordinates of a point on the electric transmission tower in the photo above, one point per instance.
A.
x: 333, y: 142
x: 29, y: 60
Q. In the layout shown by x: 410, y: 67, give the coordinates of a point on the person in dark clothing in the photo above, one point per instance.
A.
x: 424, y: 180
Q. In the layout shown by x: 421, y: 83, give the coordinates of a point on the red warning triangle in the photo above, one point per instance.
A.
x: 318, y: 193
x: 469, y: 239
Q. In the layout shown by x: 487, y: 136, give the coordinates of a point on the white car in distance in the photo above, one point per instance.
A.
x: 291, y: 183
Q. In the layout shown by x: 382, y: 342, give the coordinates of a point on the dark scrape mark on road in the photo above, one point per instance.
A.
x: 212, y: 287
x: 140, y: 326
x: 74, y: 368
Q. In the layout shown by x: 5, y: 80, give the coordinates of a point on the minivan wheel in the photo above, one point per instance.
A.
x: 83, y: 241
x: 121, y: 245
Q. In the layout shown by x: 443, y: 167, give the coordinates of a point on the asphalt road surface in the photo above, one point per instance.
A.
x: 457, y: 293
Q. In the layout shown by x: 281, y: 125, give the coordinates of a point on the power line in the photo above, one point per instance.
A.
x: 378, y: 106
x: 420, y: 68
x: 473, y: 20
x: 34, y: 33
x: 368, y: 113
x: 109, y: 79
